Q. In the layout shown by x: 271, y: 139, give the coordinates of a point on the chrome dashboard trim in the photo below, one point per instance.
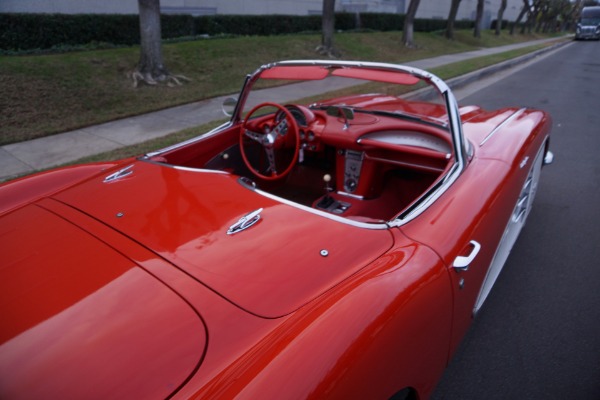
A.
x: 408, y: 138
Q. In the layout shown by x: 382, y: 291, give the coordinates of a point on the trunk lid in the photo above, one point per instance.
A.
x: 287, y: 258
x: 81, y: 320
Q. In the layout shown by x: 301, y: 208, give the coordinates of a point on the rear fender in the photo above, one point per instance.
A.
x: 385, y: 329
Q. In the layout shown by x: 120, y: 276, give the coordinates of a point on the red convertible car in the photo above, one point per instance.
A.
x: 334, y: 239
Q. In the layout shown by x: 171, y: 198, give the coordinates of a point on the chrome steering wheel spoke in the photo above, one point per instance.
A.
x: 281, y: 128
x: 257, y: 137
x: 271, y: 158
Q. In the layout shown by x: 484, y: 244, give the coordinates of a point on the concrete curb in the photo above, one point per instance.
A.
x: 471, y: 77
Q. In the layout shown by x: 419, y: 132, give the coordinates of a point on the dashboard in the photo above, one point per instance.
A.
x: 367, y: 142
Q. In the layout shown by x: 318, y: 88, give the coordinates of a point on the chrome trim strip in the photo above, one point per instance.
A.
x: 318, y: 212
x: 430, y: 197
x: 210, y: 171
x: 354, y: 196
x: 242, y: 181
x: 180, y: 168
x: 346, y: 221
x: 506, y: 121
x: 189, y: 141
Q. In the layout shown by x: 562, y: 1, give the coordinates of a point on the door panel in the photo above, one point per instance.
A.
x: 464, y: 226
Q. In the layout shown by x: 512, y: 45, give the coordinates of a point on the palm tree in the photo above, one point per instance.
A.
x: 451, y: 18
x: 328, y: 27
x: 151, y: 67
x: 478, y: 19
x: 409, y: 24
x: 500, y: 17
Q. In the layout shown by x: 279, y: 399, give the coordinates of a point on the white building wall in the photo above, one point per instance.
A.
x: 196, y: 7
x: 427, y: 8
x: 466, y: 11
x: 245, y: 7
x: 70, y: 6
x: 385, y: 6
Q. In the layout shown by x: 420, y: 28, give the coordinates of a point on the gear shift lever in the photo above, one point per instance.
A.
x: 327, y: 179
x: 327, y: 200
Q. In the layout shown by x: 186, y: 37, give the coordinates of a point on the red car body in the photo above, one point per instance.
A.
x: 175, y: 275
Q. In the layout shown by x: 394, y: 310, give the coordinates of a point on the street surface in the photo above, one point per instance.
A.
x: 538, y: 334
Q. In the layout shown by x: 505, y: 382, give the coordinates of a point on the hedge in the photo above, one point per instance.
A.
x: 503, y: 26
x: 46, y: 31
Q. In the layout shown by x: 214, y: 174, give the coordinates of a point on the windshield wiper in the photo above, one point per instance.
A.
x: 394, y: 114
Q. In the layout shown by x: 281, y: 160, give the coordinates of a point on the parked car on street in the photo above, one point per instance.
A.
x: 334, y: 239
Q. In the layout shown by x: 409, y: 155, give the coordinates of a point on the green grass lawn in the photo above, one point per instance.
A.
x: 47, y: 94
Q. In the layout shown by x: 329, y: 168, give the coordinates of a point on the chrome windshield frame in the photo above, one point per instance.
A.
x: 454, y: 122
x: 460, y: 145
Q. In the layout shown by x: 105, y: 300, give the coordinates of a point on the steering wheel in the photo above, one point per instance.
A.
x: 276, y: 136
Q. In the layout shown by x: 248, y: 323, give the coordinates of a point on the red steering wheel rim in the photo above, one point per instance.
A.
x: 292, y: 129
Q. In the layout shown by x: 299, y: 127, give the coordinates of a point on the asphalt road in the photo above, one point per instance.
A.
x: 538, y: 334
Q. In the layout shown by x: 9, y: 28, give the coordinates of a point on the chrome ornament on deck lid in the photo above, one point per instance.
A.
x: 119, y: 174
x: 245, y: 222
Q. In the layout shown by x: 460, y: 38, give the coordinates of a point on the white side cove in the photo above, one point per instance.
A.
x: 513, y: 228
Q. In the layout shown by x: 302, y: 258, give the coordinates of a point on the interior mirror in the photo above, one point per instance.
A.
x: 344, y: 112
x: 229, y: 105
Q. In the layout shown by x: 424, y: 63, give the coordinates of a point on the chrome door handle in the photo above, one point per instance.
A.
x: 461, y: 263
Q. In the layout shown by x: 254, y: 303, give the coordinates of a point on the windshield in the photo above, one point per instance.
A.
x: 590, y: 21
x: 363, y: 90
x: 368, y: 144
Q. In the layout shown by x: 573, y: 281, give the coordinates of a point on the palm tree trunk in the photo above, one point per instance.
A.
x: 151, y: 65
x: 409, y: 24
x: 328, y: 27
x: 451, y: 18
x: 519, y: 17
x: 478, y: 19
x: 500, y: 17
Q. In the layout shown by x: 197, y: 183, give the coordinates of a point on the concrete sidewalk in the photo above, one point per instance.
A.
x: 26, y: 157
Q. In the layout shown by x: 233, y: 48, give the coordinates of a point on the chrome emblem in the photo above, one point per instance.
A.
x: 524, y: 162
x: 119, y: 174
x: 245, y: 222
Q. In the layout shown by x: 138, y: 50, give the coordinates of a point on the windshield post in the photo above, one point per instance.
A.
x: 455, y: 124
x: 236, y: 116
